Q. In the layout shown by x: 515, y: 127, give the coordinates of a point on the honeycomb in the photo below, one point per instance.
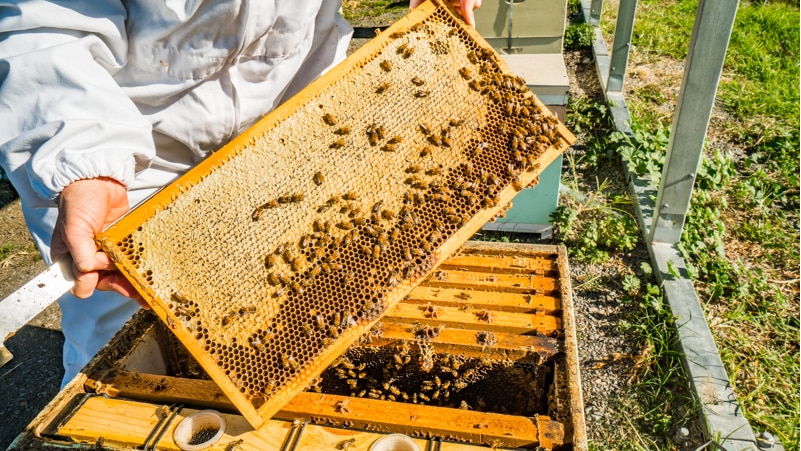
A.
x: 272, y: 256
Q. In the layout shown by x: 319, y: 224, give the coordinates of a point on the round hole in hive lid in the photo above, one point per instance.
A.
x: 394, y: 442
x: 199, y: 430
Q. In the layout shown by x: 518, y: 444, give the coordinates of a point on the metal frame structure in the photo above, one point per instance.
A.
x: 662, y: 221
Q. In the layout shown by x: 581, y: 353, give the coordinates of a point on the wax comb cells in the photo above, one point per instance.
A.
x: 271, y: 257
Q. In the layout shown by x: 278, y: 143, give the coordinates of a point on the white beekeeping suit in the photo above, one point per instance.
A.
x: 140, y: 91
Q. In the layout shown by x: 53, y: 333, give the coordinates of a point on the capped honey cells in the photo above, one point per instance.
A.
x: 271, y: 257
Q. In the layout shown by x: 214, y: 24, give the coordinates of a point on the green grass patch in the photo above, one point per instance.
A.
x: 760, y: 84
x: 763, y: 62
x: 376, y: 12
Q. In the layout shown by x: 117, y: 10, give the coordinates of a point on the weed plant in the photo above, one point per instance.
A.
x: 741, y: 233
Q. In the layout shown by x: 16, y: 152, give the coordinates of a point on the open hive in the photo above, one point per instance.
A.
x: 272, y: 256
x: 481, y: 354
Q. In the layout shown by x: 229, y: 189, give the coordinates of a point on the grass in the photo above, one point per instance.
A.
x: 373, y: 12
x: 741, y: 236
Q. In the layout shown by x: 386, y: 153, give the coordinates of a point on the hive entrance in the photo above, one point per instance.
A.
x: 271, y: 257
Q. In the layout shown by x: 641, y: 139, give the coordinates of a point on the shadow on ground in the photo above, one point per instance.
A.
x: 36, y: 363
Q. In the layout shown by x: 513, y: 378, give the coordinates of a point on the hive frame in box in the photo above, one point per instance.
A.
x: 131, y: 383
x: 264, y: 336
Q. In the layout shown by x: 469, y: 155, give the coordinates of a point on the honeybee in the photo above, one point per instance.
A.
x: 389, y: 148
x: 289, y: 362
x: 319, y: 322
x: 338, y: 144
x: 382, y: 87
x: 296, y: 264
x: 298, y: 288
x: 395, y: 139
x: 350, y: 195
x: 329, y: 119
x: 179, y: 298
x: 376, y: 251
x: 227, y: 318
x: 385, y: 65
x: 343, y: 130
x: 435, y: 140
x: 455, y: 121
x: 426, y: 151
x: 516, y: 184
x: 272, y: 278
x: 347, y: 278
x: 474, y: 85
x: 372, y: 139
x: 318, y: 178
x: 257, y: 344
x: 366, y: 250
x: 333, y: 332
x: 420, y: 93
x: 466, y: 73
x: 417, y: 81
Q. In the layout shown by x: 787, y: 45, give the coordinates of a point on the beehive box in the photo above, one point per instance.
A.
x: 272, y: 256
x: 482, y: 354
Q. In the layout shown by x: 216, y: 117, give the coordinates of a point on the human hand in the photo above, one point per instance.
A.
x: 85, y: 207
x: 465, y: 8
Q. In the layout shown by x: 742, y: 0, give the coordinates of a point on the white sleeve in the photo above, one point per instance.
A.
x: 62, y: 115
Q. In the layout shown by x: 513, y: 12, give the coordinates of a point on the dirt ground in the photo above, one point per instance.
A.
x: 33, y: 376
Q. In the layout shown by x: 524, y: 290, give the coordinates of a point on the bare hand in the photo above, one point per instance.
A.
x: 465, y: 8
x: 85, y: 207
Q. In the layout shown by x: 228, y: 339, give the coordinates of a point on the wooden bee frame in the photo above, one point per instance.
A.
x: 315, y: 219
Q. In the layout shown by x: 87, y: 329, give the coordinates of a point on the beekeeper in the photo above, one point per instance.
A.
x: 103, y: 103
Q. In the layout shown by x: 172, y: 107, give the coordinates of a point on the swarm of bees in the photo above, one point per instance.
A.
x: 414, y: 373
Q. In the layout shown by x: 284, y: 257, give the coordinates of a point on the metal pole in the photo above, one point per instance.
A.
x: 595, y: 12
x: 621, y: 45
x: 714, y: 20
x: 509, y: 27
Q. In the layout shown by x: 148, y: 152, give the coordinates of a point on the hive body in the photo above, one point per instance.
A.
x: 276, y: 253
